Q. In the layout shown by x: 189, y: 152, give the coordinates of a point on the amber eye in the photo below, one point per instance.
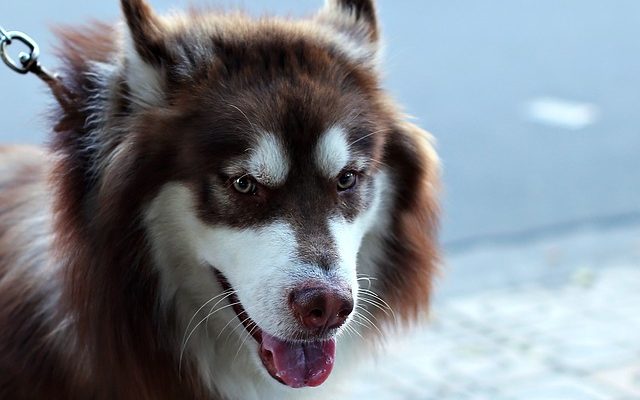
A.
x: 347, y: 180
x: 245, y: 185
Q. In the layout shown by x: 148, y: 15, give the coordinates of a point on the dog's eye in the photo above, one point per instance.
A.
x: 245, y: 185
x: 347, y: 180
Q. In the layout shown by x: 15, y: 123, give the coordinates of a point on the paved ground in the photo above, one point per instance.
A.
x: 572, y: 336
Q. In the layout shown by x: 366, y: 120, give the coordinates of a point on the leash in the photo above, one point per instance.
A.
x: 28, y: 63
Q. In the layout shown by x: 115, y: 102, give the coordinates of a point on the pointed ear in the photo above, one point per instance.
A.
x: 147, y: 54
x: 146, y: 31
x: 353, y: 17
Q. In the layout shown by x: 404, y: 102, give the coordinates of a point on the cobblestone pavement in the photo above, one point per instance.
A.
x: 530, y: 340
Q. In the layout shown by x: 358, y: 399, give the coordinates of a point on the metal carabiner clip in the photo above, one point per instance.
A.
x: 29, y: 63
x: 27, y: 60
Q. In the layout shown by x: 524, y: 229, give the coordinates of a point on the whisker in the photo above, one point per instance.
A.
x: 184, y: 345
x: 244, y: 115
x: 377, y: 298
x: 362, y: 324
x: 368, y: 320
x: 351, y: 330
x: 249, y: 334
x: 352, y: 117
x: 229, y: 291
x: 359, y: 307
x: 366, y: 278
x: 209, y: 314
x: 371, y: 298
x: 376, y: 305
x: 239, y: 325
x: 240, y: 322
x: 229, y: 322
x: 367, y: 135
x: 380, y: 163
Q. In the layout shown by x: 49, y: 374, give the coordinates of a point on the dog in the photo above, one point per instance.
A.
x: 233, y: 208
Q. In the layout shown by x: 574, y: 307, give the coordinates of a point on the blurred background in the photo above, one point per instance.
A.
x: 536, y: 109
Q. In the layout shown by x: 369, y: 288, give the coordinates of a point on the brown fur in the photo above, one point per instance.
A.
x: 78, y: 291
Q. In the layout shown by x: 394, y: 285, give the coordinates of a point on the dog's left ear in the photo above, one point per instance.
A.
x: 356, y: 18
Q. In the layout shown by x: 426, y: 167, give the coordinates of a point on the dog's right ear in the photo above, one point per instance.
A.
x: 147, y: 55
x: 146, y: 31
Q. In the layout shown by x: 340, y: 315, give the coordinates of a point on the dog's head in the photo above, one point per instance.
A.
x: 281, y: 189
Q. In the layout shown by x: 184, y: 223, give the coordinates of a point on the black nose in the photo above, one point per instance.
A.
x: 321, y: 308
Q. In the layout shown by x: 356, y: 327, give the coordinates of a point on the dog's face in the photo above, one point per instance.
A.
x: 275, y: 207
x: 266, y: 145
x: 280, y: 224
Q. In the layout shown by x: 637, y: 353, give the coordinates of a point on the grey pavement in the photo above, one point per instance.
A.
x: 567, y: 330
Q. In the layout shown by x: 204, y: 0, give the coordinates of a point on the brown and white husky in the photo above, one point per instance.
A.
x: 233, y: 209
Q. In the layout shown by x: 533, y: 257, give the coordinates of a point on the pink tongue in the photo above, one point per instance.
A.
x: 298, y: 364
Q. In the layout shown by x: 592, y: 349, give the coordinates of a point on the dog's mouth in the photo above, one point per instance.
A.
x: 292, y: 363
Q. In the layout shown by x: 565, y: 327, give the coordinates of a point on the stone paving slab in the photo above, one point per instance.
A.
x: 580, y: 340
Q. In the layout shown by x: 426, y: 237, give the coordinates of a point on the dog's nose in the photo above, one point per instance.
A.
x: 321, y: 308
